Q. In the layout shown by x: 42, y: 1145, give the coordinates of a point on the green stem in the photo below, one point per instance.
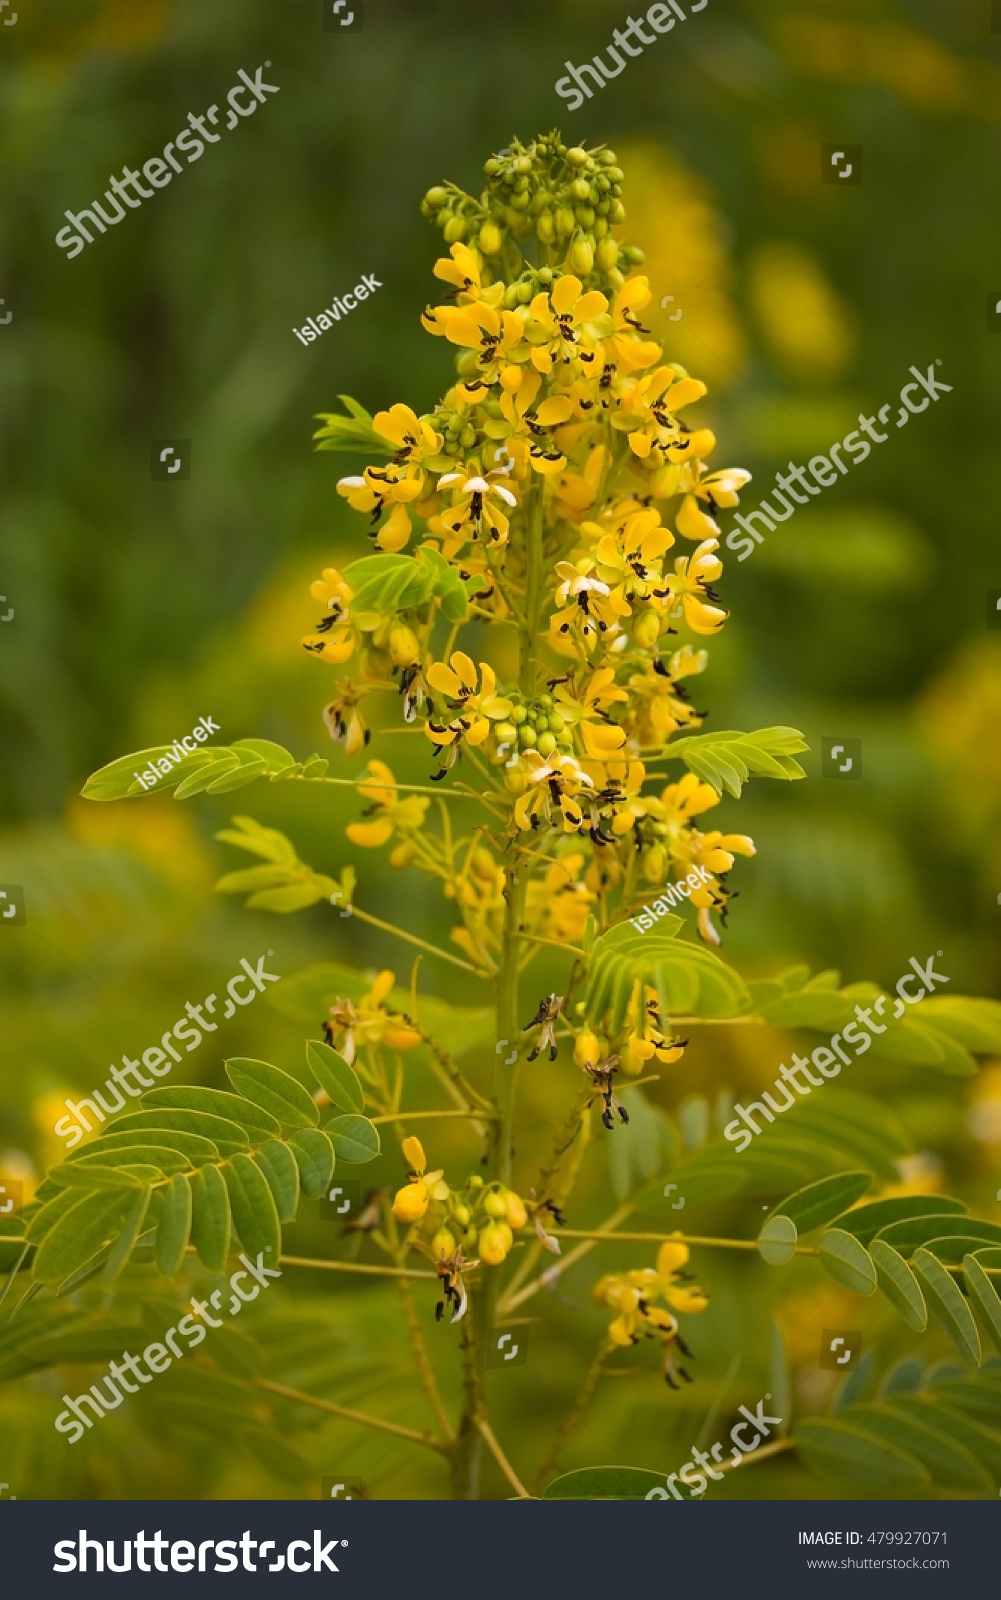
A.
x: 422, y: 944
x: 474, y: 1427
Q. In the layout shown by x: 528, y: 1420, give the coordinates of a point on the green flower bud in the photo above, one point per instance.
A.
x: 654, y: 863
x: 646, y: 629
x: 475, y: 1181
x: 634, y: 255
x: 582, y: 255
x: 546, y: 227
x: 518, y: 714
x: 468, y: 437
x: 600, y: 228
x: 617, y: 213
x: 545, y: 700
x: 564, y: 221
x: 455, y: 229
x: 585, y: 216
x: 607, y: 253
x: 490, y: 239
x: 580, y: 189
x: 546, y: 744
x: 436, y: 197
x: 527, y: 735
x: 525, y: 293
x: 556, y: 722
x: 505, y: 732
x: 523, y: 165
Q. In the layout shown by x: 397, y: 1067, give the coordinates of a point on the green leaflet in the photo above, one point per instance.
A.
x: 80, y: 1232
x: 726, y: 760
x: 41, y: 1222
x: 277, y: 1163
x: 124, y: 1156
x: 866, y: 1221
x: 353, y: 1138
x: 211, y: 1217
x: 847, y: 1261
x: 974, y: 1395
x: 823, y: 1201
x: 215, y: 768
x: 389, y: 583
x: 777, y: 1240
x: 256, y: 1122
x: 985, y: 1297
x: 949, y: 1463
x: 982, y: 1442
x: 907, y: 1234
x: 252, y: 1203
x: 837, y: 1450
x: 338, y: 1080
x: 165, y: 1143
x: 248, y: 834
x: 948, y: 1305
x: 88, y: 1175
x: 952, y: 1249
x: 608, y: 1483
x: 124, y: 1245
x: 274, y: 1091
x: 175, y: 1226
x: 220, y: 1131
x: 314, y: 1156
x: 899, y: 1284
x: 355, y: 432
x: 904, y: 1377
x: 688, y: 978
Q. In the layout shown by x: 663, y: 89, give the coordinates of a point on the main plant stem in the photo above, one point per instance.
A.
x: 468, y: 1449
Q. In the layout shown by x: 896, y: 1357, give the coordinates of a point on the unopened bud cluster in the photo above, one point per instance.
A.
x: 566, y: 199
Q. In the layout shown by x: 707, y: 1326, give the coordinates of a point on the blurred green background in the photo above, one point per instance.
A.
x: 140, y: 606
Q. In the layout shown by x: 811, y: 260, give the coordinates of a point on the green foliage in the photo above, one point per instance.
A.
x: 222, y: 1163
x: 354, y: 433
x: 688, y: 977
x: 285, y: 883
x: 212, y: 769
x: 819, y: 1202
x: 336, y: 1078
x: 777, y: 1240
x: 727, y: 760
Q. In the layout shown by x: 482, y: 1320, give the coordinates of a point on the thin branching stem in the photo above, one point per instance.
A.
x: 361, y: 1417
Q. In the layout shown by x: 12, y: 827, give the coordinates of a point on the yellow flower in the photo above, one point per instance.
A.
x: 566, y: 325
x: 370, y: 1022
x: 713, y: 490
x: 336, y: 637
x: 556, y: 779
x: 474, y: 506
x: 475, y: 709
x: 692, y: 591
x: 393, y: 814
x: 631, y: 1295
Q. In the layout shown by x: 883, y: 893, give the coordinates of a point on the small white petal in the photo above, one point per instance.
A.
x: 351, y: 483
x: 505, y: 494
x: 449, y: 478
x: 475, y: 486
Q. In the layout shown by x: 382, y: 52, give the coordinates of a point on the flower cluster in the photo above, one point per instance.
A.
x: 481, y: 1216
x: 633, y: 1296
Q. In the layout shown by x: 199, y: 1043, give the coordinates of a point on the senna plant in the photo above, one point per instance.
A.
x: 540, y: 591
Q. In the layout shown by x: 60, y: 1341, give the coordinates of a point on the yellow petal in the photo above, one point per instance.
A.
x: 462, y: 665
x: 670, y: 1257
x: 566, y: 293
x: 413, y: 1154
x: 370, y: 834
